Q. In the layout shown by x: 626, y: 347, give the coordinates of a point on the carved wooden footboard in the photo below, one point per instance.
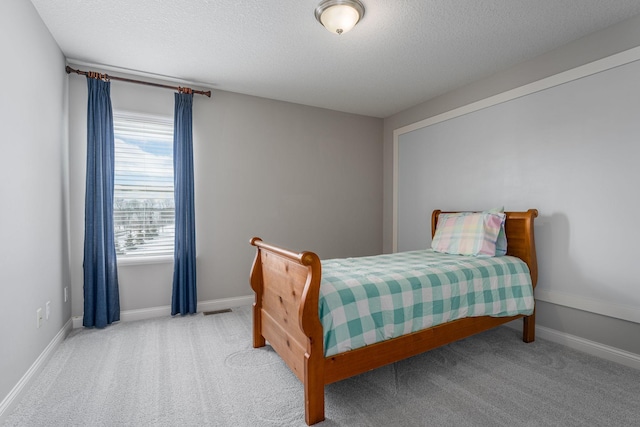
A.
x: 285, y: 313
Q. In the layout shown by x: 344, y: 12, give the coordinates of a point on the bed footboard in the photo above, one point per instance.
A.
x: 285, y: 313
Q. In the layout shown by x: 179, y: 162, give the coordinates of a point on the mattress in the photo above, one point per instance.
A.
x: 366, y: 300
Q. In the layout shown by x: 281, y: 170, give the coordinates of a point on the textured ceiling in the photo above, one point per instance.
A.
x: 402, y: 53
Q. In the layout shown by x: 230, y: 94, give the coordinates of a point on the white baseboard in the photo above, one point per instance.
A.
x: 12, y: 399
x: 590, y: 347
x: 165, y: 310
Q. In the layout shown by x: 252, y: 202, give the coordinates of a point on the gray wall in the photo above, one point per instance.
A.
x: 303, y: 177
x: 615, y: 39
x: 34, y: 263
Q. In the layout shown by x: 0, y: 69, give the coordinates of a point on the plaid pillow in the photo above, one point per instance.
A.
x: 468, y: 233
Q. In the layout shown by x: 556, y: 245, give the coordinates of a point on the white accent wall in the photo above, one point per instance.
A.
x: 34, y: 261
x: 579, y: 308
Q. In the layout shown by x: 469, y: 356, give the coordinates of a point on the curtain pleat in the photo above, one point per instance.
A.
x: 101, y: 295
x: 184, y: 299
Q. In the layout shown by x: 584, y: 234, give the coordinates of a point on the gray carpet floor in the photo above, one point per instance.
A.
x: 202, y: 370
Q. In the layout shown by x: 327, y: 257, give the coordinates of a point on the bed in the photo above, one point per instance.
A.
x: 286, y: 314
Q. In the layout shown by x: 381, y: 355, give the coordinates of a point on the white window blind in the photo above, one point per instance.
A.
x: 143, y: 210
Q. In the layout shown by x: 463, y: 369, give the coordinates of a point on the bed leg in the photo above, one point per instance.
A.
x: 258, y: 339
x: 529, y: 328
x: 313, y: 391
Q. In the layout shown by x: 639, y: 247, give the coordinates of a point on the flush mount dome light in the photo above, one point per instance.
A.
x: 339, y: 16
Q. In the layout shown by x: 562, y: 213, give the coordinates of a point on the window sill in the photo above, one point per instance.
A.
x: 162, y: 259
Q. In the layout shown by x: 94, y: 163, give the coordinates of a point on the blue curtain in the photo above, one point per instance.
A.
x: 101, y: 295
x: 184, y: 300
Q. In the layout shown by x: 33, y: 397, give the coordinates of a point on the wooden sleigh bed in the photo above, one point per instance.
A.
x: 285, y: 313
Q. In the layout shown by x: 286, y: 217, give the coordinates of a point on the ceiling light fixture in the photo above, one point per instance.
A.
x: 339, y: 16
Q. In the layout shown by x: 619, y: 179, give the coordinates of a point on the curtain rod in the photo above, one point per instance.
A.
x: 108, y: 77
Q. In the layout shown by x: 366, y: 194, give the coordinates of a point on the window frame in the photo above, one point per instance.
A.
x: 142, y: 258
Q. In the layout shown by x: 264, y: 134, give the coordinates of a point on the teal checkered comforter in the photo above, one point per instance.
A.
x: 371, y: 299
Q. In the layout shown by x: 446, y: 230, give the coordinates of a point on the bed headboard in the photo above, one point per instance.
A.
x: 520, y: 239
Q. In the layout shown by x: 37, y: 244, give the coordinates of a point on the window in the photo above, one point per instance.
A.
x: 143, y: 208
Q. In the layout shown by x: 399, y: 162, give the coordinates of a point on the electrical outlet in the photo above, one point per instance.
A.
x: 47, y: 310
x: 39, y: 317
x: 66, y: 296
